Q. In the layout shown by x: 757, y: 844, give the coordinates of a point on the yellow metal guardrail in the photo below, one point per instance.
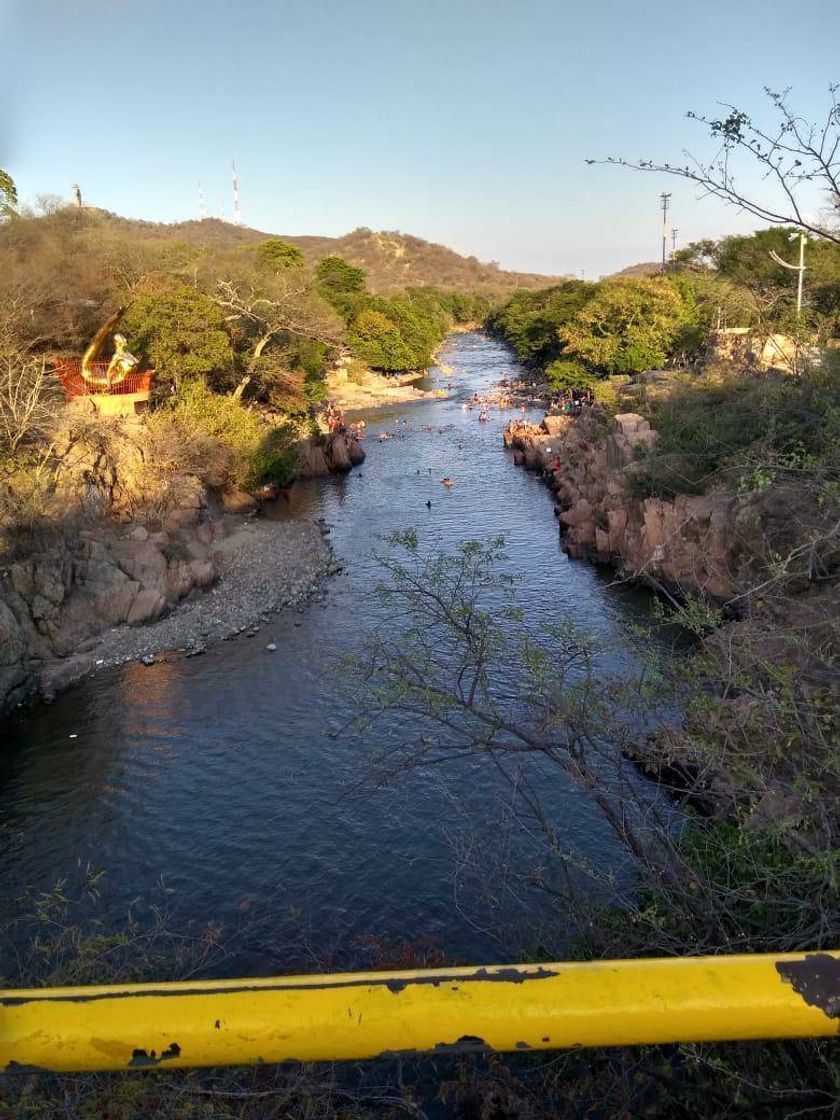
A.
x: 368, y: 1015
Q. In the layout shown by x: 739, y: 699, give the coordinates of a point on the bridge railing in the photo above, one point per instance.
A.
x: 449, y: 1010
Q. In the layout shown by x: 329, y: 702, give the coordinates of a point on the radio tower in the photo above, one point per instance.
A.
x: 202, y: 206
x: 237, y: 213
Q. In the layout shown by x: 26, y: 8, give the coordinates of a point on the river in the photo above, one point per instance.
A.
x: 223, y: 775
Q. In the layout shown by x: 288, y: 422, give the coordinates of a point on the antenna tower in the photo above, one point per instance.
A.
x: 202, y: 205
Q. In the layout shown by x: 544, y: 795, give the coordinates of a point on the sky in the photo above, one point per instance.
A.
x: 465, y: 122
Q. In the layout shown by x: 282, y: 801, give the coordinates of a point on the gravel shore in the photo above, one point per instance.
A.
x: 265, y: 566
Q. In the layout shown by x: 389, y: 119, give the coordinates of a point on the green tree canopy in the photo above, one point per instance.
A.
x: 277, y: 255
x: 627, y: 325
x: 746, y: 260
x: 340, y: 284
x: 532, y: 321
x: 377, y: 340
x: 178, y: 330
x: 8, y: 193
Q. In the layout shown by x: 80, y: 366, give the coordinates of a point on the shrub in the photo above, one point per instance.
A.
x: 606, y: 390
x: 276, y: 460
x: 225, y: 421
x: 28, y: 396
x: 357, y: 372
x: 565, y: 374
x: 718, y: 427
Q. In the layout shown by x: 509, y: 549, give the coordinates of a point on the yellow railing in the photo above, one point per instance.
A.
x: 368, y: 1015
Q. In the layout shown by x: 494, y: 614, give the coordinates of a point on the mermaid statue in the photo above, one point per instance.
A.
x: 121, y: 364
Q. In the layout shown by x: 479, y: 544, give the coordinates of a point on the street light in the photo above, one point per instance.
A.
x: 800, y: 268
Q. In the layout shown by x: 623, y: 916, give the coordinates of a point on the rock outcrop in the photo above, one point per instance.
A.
x: 335, y: 453
x: 56, y: 597
x: 711, y: 543
x: 54, y: 602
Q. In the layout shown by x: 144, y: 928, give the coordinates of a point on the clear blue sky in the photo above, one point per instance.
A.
x: 463, y: 121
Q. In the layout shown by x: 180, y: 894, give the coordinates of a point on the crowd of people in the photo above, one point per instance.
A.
x: 336, y: 423
x: 573, y: 401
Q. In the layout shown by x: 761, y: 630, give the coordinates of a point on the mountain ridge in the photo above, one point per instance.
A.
x: 392, y: 259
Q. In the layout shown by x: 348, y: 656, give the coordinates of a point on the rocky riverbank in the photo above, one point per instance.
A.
x: 373, y: 390
x: 714, y: 544
x: 765, y: 676
x: 107, y: 578
x: 112, y: 594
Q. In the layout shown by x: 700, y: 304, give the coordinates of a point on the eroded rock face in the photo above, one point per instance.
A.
x: 710, y: 543
x: 333, y: 454
x: 57, y: 600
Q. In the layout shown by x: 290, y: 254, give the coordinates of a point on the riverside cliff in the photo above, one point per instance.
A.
x: 763, y: 558
x: 715, y: 544
x: 73, y: 583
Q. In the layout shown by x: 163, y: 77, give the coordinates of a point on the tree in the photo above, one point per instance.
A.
x: 794, y: 156
x: 8, y: 194
x: 27, y: 393
x: 377, y: 340
x: 278, y: 308
x: 532, y: 321
x: 747, y: 260
x: 178, y: 330
x: 341, y: 284
x: 698, y: 256
x: 281, y: 303
x: 276, y: 255
x: 455, y: 675
x: 627, y: 325
x: 742, y: 266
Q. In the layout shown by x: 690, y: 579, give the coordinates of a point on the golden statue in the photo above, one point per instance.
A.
x: 120, y: 366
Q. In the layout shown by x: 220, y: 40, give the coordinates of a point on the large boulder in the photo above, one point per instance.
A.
x: 203, y: 572
x: 147, y: 606
x: 55, y: 676
x: 556, y: 425
x: 313, y: 461
x: 338, y: 453
x: 144, y: 562
x: 12, y: 654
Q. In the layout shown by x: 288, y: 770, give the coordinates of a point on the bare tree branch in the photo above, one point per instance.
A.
x: 793, y: 155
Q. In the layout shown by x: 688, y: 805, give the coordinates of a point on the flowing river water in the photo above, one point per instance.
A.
x: 223, y: 773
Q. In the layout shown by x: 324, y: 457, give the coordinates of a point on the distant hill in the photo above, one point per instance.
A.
x: 391, y: 260
x: 646, y: 268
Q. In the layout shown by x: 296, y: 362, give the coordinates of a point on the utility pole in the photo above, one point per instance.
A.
x: 800, y: 268
x: 237, y: 214
x: 674, y: 233
x: 665, y: 200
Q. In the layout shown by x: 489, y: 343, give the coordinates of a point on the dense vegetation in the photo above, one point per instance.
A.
x: 241, y: 330
x: 576, y: 331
